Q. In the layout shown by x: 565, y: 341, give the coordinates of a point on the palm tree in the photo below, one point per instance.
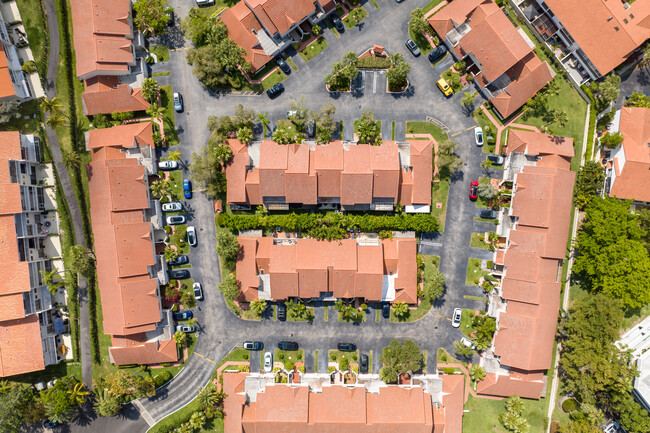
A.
x: 71, y: 160
x: 400, y: 309
x: 197, y: 420
x: 174, y: 155
x: 261, y: 117
x: 485, y: 165
x: 161, y: 188
x: 155, y: 111
x: 105, y: 404
x: 170, y: 254
x: 646, y: 55
x: 558, y: 116
x: 468, y: 99
x: 55, y: 121
x: 77, y: 395
x: 52, y: 280
x: 461, y: 350
x: 192, y: 321
x: 259, y: 306
x: 180, y: 338
x: 186, y: 427
x: 50, y: 106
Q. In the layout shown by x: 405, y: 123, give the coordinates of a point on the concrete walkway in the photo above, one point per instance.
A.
x: 68, y: 191
x: 500, y: 128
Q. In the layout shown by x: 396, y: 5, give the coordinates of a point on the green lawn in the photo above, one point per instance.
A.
x: 374, y: 3
x: 361, y: 319
x: 439, y: 194
x: 478, y: 241
x: 419, y: 127
x: 160, y: 74
x: 571, y: 102
x: 291, y: 317
x: 313, y: 49
x: 237, y: 355
x: 422, y: 42
x: 355, y: 16
x: 466, y: 322
x: 431, y: 264
x: 169, y: 119
x: 161, y: 51
x: 495, y: 221
x: 489, y: 129
x: 392, y: 130
x: 289, y: 355
x: 176, y: 182
x: 26, y: 126
x: 316, y: 360
x: 475, y: 272
x: 431, y: 5
x: 273, y: 79
x: 32, y: 18
x: 292, y: 64
x: 337, y: 355
x: 481, y: 415
x: 444, y: 357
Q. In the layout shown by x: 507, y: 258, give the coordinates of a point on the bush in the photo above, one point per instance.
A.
x: 448, y: 370
x: 245, y: 356
x: 344, y: 364
x: 374, y: 63
x: 29, y: 67
x: 288, y: 365
x: 569, y: 405
x: 330, y: 369
x: 333, y: 357
x: 162, y: 378
x: 281, y: 356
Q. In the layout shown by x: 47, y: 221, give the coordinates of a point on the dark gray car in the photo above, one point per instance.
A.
x: 489, y: 214
x: 283, y: 65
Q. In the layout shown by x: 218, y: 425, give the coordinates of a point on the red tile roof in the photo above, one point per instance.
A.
x: 393, y: 409
x: 102, y: 37
x: 540, y: 144
x: 241, y: 24
x: 280, y: 15
x: 21, y: 348
x: 607, y: 31
x: 307, y: 267
x: 632, y: 162
x: 356, y: 174
x: 104, y: 95
x: 7, y: 89
x: 123, y: 245
x: 526, y: 385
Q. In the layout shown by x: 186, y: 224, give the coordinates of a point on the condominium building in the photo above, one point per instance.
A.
x: 14, y: 84
x: 128, y: 230
x: 30, y: 325
x: 345, y: 175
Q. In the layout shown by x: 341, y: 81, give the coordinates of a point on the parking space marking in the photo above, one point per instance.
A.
x: 437, y: 123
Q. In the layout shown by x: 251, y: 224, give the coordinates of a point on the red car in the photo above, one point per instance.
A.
x: 473, y: 190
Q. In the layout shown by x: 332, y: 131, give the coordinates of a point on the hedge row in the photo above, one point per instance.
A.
x: 374, y: 62
x: 76, y: 174
x: 46, y: 44
x: 328, y: 222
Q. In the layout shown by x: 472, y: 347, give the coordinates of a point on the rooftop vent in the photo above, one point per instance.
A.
x: 609, y: 19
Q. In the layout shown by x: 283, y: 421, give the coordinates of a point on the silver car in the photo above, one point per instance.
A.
x: 268, y: 362
x: 455, y: 321
x: 191, y: 235
x: 185, y: 328
x: 172, y: 206
x: 168, y: 165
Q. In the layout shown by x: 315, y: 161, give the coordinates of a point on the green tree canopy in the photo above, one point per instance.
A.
x: 150, y: 89
x: 589, y: 182
x: 398, y: 72
x: 150, y: 16
x: 612, y: 259
x: 230, y: 288
x: 227, y: 246
x: 447, y: 160
x: 399, y: 358
x: 417, y: 23
x: 367, y: 128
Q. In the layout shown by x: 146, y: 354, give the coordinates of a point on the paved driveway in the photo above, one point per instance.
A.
x: 219, y: 329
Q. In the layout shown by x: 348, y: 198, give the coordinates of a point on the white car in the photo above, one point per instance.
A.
x: 191, y: 235
x: 198, y: 291
x: 455, y: 321
x: 185, y: 328
x: 168, y: 165
x: 172, y: 206
x: 268, y: 362
x: 612, y: 427
x: 467, y: 342
x: 175, y: 220
x: 204, y: 2
x: 478, y: 136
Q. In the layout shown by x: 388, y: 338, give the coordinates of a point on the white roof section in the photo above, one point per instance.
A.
x: 637, y: 339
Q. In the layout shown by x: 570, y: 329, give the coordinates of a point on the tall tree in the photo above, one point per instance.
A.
x: 230, y: 288
x: 447, y: 160
x: 71, y: 159
x: 398, y: 72
x: 434, y: 286
x: 589, y: 183
x: 205, y: 172
x: 196, y: 27
x: 150, y: 16
x: 227, y: 246
x: 52, y: 280
x: 150, y: 89
x: 399, y: 358
x: 81, y: 260
x: 161, y: 188
x: 609, y: 87
x: 368, y: 129
x: 50, y: 106
x: 417, y: 23
x: 324, y: 120
x: 9, y: 110
x: 343, y: 72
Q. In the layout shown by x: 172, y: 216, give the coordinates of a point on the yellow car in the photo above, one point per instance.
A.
x: 444, y: 87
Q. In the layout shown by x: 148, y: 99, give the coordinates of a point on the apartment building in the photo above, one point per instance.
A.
x: 30, y: 324
x: 336, y: 175
x: 264, y: 28
x: 528, y: 266
x: 589, y: 37
x: 316, y: 403
x: 627, y: 167
x: 499, y: 56
x: 366, y: 267
x: 128, y: 229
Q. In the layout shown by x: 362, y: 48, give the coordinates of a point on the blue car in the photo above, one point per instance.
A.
x: 187, y: 188
x: 183, y: 315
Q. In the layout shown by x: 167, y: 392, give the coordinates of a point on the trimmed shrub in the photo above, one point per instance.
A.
x: 569, y: 405
x: 448, y: 370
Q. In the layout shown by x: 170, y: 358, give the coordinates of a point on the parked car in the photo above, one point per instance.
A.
x: 172, y: 206
x: 204, y: 2
x: 168, y: 165
x: 473, y: 190
x: 253, y: 345
x: 179, y: 274
x: 187, y: 188
x: 437, y: 53
x: 283, y: 65
x: 179, y: 260
x: 467, y: 342
x: 455, y: 320
x: 50, y: 424
x: 363, y: 364
x: 185, y: 328
x: 611, y: 427
x: 336, y: 22
x: 346, y: 347
x: 174, y: 220
x: 444, y: 87
x: 385, y: 310
x: 268, y: 362
x: 478, y: 136
x: 287, y: 345
x: 183, y: 315
x: 191, y: 235
x: 489, y: 214
x: 496, y: 159
x: 282, y: 312
x: 178, y: 102
x: 275, y: 90
x: 413, y: 48
x: 198, y: 291
x: 310, y: 128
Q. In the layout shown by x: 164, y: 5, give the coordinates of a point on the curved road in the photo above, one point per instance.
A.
x: 219, y: 329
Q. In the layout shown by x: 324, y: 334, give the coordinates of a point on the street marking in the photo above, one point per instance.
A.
x: 471, y: 127
x: 237, y: 92
x: 179, y: 49
x: 453, y: 135
x: 144, y: 413
x: 207, y: 359
x: 374, y: 82
x: 438, y: 123
x: 198, y: 354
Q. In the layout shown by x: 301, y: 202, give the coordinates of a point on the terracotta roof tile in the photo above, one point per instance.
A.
x: 6, y: 84
x: 239, y: 30
x: 505, y: 386
x: 122, y: 136
x: 21, y: 349
x: 121, y: 98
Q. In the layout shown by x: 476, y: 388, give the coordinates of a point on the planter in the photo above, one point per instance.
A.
x: 398, y: 92
x: 338, y: 91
